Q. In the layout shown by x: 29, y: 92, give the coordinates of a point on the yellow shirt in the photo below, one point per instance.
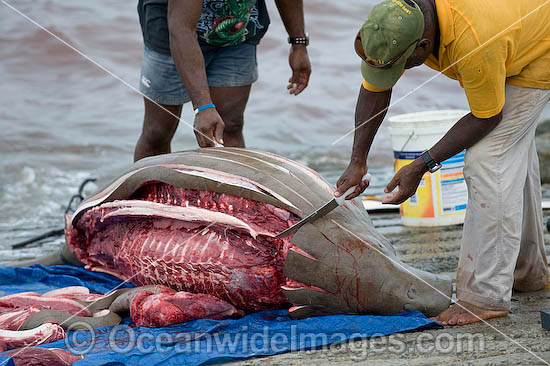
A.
x: 486, y: 44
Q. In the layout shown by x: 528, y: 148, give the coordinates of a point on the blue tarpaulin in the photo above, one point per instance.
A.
x: 201, y: 341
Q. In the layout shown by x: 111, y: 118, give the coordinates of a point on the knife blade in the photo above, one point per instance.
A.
x: 320, y: 212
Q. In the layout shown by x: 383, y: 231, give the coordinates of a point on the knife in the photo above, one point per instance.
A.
x: 320, y: 212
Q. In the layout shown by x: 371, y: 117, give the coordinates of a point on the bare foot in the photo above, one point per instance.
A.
x: 463, y: 313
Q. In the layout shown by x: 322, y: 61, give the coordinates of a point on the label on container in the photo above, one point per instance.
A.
x: 441, y: 194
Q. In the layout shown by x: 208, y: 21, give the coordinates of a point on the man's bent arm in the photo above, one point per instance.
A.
x: 369, y: 113
x: 463, y: 135
x: 183, y: 17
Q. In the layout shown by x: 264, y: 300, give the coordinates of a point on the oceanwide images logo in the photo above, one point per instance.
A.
x: 122, y: 339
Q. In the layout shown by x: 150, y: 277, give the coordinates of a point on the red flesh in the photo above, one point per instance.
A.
x: 19, y: 302
x: 197, y: 257
x: 15, y: 319
x: 37, y: 356
x: 170, y: 307
x: 45, y: 333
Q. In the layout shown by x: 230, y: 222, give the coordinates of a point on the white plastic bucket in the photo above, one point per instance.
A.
x: 441, y: 198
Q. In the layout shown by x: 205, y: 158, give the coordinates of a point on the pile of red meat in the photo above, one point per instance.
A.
x: 16, y: 309
x: 150, y: 307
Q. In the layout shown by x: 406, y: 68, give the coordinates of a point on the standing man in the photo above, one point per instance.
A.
x: 204, y: 51
x: 499, y: 51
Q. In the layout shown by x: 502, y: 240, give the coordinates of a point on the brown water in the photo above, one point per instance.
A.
x: 63, y: 119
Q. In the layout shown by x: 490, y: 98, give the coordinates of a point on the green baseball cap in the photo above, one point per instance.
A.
x: 389, y: 36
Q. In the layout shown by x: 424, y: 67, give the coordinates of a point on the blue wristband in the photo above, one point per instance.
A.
x: 206, y: 106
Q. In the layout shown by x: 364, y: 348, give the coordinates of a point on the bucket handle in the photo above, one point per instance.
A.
x: 408, y: 139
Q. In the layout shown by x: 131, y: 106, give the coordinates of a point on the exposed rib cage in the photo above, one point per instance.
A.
x: 203, y: 252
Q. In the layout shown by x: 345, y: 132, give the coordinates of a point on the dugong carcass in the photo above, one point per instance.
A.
x: 205, y: 222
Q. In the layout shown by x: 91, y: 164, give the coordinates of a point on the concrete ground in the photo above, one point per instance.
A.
x: 517, y: 339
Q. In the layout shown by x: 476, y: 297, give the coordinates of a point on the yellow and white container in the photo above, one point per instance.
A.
x: 441, y: 197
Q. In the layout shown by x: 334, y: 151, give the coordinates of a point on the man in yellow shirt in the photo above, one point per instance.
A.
x: 499, y: 51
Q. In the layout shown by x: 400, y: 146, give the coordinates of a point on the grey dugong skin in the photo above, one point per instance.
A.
x: 354, y: 268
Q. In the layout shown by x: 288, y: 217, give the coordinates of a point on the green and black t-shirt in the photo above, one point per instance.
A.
x: 222, y: 23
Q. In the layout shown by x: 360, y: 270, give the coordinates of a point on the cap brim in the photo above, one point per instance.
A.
x: 383, y: 78
x: 386, y: 78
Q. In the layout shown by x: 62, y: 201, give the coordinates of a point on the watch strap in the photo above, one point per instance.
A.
x: 299, y: 40
x: 432, y: 165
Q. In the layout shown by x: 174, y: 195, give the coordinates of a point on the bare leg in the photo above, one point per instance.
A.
x: 159, y: 127
x: 231, y: 103
x: 463, y: 313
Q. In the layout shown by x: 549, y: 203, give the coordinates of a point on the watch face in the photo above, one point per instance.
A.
x: 435, y: 168
x: 299, y: 40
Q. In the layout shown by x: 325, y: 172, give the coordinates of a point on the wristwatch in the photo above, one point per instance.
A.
x: 433, y: 166
x: 299, y: 40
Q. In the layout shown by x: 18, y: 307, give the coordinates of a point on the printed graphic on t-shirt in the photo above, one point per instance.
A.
x: 228, y: 22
